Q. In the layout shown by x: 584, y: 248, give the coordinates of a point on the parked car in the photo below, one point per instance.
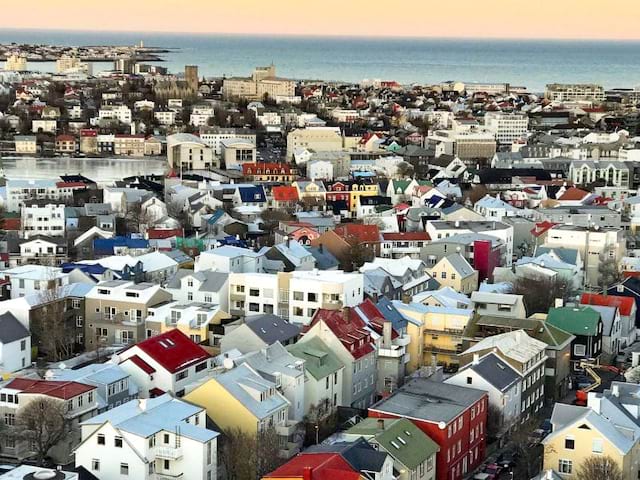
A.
x: 493, y: 469
x: 546, y: 426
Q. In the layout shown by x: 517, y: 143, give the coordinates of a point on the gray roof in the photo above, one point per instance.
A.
x: 271, y: 328
x: 495, y: 371
x: 607, y: 314
x: 458, y: 262
x: 359, y: 454
x: 272, y: 360
x: 11, y: 330
x: 431, y: 401
x: 212, y: 281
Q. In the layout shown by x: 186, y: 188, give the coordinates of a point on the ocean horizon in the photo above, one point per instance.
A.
x: 531, y: 63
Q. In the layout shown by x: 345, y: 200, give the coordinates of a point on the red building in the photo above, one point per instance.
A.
x: 454, y: 417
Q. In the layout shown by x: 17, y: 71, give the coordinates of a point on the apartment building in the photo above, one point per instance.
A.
x: 129, y: 145
x: 263, y: 82
x: 507, y: 127
x: 499, y: 304
x: 201, y: 286
x: 468, y: 145
x: 28, y: 280
x: 524, y: 354
x: 116, y: 311
x: 230, y: 259
x: 574, y: 92
x: 149, y: 439
x: 19, y: 191
x: 122, y: 113
x: 78, y: 399
x: 42, y: 217
x: 318, y: 139
x: 347, y: 335
x: 165, y: 363
x: 193, y: 319
x: 189, y: 152
x: 214, y: 136
x: 296, y: 295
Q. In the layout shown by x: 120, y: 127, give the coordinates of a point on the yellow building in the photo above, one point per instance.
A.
x: 434, y: 332
x: 361, y: 190
x: 454, y: 271
x: 602, y: 429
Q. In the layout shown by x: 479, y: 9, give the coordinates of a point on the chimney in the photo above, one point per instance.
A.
x: 406, y: 299
x: 307, y: 473
x: 288, y: 242
x: 559, y: 302
x: 615, y: 390
x: 386, y: 334
x: 381, y: 424
x: 142, y: 404
x: 620, y: 288
x: 346, y: 314
x: 476, y: 358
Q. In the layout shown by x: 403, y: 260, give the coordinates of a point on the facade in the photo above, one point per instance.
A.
x: 262, y: 83
x: 507, y: 127
x: 586, y: 324
x: 455, y: 272
x: 318, y: 139
x: 42, y: 217
x: 189, y: 152
x: 158, y: 438
x: 15, y: 344
x: 568, y: 92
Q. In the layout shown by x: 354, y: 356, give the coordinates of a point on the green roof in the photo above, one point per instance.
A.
x: 576, y: 320
x: 368, y: 427
x: 407, y: 443
x: 400, y: 184
x: 320, y: 361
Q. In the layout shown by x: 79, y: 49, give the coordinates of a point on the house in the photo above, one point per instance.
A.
x: 165, y: 363
x: 413, y: 452
x: 15, y: 344
x: 611, y: 329
x: 42, y: 250
x: 558, y: 365
x: 284, y: 196
x: 323, y: 377
x: 502, y: 383
x: 203, y: 286
x: 524, y: 354
x: 28, y: 280
x: 259, y: 332
x: 626, y: 309
x: 239, y: 398
x: 116, y: 309
x: 158, y: 267
x: 113, y: 385
x: 230, y: 259
x: 407, y: 276
x: 26, y: 144
x: 161, y: 437
x: 362, y: 456
x: 321, y: 466
x: 292, y: 254
x: 455, y: 272
x: 435, y: 332
x: 349, y: 338
x: 586, y: 325
x: 453, y: 417
x: 607, y: 426
x: 42, y: 217
x: 499, y: 304
x: 78, y: 399
x: 400, y: 244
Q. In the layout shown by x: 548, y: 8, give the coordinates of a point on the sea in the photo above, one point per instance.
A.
x: 528, y: 63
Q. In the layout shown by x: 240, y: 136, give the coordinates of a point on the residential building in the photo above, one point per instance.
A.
x: 574, y: 92
x: 15, y: 344
x: 42, y: 217
x: 400, y: 244
x: 149, y: 439
x: 121, y: 113
x: 526, y: 355
x: 455, y: 272
x: 230, y: 259
x: 454, y: 417
x: 198, y: 321
x: 259, y: 332
x: 586, y: 325
x: 349, y: 338
x: 238, y: 151
x: 499, y: 304
x: 165, y: 363
x: 27, y: 280
x: 188, y: 152
x: 507, y: 127
x: 202, y: 286
x: 26, y: 144
x: 318, y: 139
x: 116, y: 311
x: 626, y: 309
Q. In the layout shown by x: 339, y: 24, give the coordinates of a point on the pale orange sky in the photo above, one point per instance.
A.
x: 587, y: 19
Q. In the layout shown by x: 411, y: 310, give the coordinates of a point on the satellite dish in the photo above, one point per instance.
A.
x: 442, y: 425
x: 228, y: 363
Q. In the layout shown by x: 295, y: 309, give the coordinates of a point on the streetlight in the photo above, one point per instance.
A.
x: 317, y: 433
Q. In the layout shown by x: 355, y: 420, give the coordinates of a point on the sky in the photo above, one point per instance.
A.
x: 569, y: 19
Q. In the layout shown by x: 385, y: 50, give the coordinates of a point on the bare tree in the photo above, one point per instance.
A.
x: 540, y: 293
x: 271, y: 219
x: 608, y: 271
x: 320, y: 422
x: 528, y: 455
x: 405, y: 169
x: 359, y: 254
x: 597, y: 467
x: 267, y: 451
x: 42, y: 423
x: 136, y: 218
x: 494, y: 421
x: 245, y: 456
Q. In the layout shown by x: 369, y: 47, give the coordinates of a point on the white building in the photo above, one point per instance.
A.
x: 33, y: 279
x: 122, y: 113
x: 230, y: 259
x: 507, y: 127
x: 214, y: 137
x: 159, y: 438
x: 165, y: 118
x: 204, y: 286
x: 165, y: 363
x: 189, y: 152
x: 320, y: 170
x: 15, y: 344
x: 20, y: 190
x: 42, y: 217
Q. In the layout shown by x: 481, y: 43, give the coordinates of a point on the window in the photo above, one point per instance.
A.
x: 469, y: 380
x: 254, y: 307
x: 254, y: 292
x: 117, y: 442
x: 165, y: 439
x: 167, y: 465
x: 312, y: 297
x: 181, y: 375
x: 201, y: 366
x: 9, y: 419
x: 124, y: 469
x: 569, y: 443
x: 23, y: 345
x: 298, y: 296
x: 597, y: 446
x: 565, y: 466
x: 443, y: 275
x: 579, y: 350
x: 95, y: 465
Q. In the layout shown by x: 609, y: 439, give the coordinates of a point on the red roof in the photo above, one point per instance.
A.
x: 624, y: 304
x: 11, y: 223
x: 88, y: 133
x: 406, y: 236
x: 70, y: 184
x: 50, y: 388
x: 285, y: 193
x: 65, y: 138
x: 316, y: 466
x: 363, y: 233
x: 142, y: 365
x: 349, y: 327
x: 542, y: 227
x: 573, y: 193
x: 173, y: 350
x: 162, y: 233
x: 370, y: 313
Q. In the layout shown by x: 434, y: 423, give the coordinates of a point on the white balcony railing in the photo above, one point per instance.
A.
x: 172, y: 453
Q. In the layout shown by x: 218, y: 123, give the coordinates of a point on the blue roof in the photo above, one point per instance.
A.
x: 390, y: 313
x: 325, y: 260
x: 91, y: 269
x: 215, y: 216
x: 161, y: 413
x: 105, y: 246
x: 252, y: 194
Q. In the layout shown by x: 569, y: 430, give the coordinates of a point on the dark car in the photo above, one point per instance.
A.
x: 546, y: 426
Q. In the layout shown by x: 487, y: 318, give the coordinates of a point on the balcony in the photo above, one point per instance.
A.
x: 287, y: 428
x: 166, y: 476
x: 393, y: 352
x: 119, y: 318
x: 171, y: 453
x: 402, y: 341
x: 289, y: 450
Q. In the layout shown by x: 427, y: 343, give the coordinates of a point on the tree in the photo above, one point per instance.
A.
x: 405, y: 169
x: 608, y: 271
x: 137, y: 219
x: 359, y: 254
x: 528, y: 455
x: 494, y: 421
x: 540, y: 293
x: 476, y: 193
x: 244, y: 456
x: 42, y: 423
x: 320, y: 422
x: 597, y: 467
x: 271, y: 220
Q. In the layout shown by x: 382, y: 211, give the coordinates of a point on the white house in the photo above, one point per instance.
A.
x: 33, y: 279
x: 42, y: 217
x: 230, y: 259
x: 15, y: 344
x: 121, y: 113
x: 150, y: 439
x: 165, y: 363
x: 320, y: 170
x: 204, y: 286
x: 502, y: 383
